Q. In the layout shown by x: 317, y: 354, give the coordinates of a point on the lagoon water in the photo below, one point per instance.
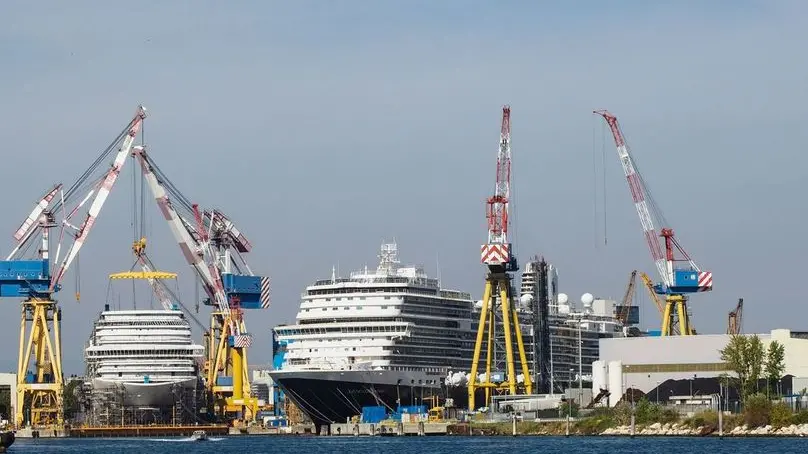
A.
x: 419, y: 445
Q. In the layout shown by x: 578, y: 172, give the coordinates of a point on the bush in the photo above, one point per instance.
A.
x: 780, y: 415
x: 706, y: 418
x: 757, y: 410
x: 562, y: 409
x: 596, y: 422
x: 800, y: 418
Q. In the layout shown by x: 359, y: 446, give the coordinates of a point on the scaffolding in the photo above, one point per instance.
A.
x: 108, y: 407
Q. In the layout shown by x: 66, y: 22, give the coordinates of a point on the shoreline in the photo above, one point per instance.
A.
x: 644, y: 430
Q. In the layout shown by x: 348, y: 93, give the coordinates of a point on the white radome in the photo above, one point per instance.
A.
x: 587, y: 299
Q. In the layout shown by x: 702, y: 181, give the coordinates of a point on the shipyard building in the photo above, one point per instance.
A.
x: 670, y: 367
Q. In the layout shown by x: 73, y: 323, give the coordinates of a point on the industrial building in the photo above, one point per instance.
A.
x: 651, y: 364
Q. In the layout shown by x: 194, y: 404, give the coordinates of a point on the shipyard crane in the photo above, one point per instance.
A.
x: 735, y: 319
x: 498, y: 255
x: 649, y: 284
x: 677, y: 282
x: 40, y: 379
x: 624, y: 310
x: 213, y: 246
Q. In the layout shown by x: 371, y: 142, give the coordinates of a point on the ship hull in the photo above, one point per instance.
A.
x: 139, y: 394
x: 335, y: 396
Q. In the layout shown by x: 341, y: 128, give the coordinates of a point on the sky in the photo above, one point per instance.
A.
x: 326, y: 128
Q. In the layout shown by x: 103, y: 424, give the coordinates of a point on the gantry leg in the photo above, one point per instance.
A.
x: 44, y: 391
x: 475, y: 362
x: 506, y: 325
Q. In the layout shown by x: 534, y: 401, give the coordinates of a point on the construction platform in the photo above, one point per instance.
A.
x: 385, y: 429
x: 146, y: 431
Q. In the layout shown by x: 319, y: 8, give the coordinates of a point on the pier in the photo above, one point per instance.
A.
x: 146, y: 431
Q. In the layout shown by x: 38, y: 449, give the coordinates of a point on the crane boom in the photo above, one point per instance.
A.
x: 101, y: 196
x: 638, y: 194
x: 497, y: 250
x: 190, y: 247
x: 674, y: 281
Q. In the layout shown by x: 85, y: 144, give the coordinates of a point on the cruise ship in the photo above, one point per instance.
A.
x: 387, y: 336
x: 147, y: 353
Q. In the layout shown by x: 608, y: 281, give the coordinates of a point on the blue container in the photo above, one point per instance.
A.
x: 655, y: 332
x: 373, y: 415
x: 224, y: 381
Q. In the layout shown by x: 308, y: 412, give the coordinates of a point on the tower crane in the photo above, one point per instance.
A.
x: 677, y: 282
x: 735, y: 318
x: 213, y: 246
x: 40, y: 379
x: 498, y: 255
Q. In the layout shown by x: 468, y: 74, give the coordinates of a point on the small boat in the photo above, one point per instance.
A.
x: 199, y: 435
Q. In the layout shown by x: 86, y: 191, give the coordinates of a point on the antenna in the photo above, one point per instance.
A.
x: 437, y: 266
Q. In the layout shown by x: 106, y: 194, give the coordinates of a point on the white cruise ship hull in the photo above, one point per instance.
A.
x: 139, y: 394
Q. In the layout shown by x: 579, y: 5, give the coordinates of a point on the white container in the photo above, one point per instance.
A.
x: 599, y: 377
x: 615, y: 382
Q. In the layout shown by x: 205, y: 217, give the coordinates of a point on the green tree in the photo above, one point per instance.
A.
x: 775, y: 364
x: 745, y: 356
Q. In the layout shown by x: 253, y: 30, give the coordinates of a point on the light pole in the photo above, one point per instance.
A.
x: 657, y: 392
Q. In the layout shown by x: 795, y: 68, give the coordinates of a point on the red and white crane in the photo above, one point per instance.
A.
x: 498, y: 250
x: 676, y: 281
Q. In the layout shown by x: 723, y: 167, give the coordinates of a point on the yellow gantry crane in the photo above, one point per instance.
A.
x: 40, y: 379
x: 213, y: 246
x: 497, y: 254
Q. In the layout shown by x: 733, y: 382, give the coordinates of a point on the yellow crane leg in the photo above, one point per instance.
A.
x: 44, y: 395
x: 522, y: 356
x: 238, y: 373
x: 666, y: 318
x: 475, y: 362
x: 506, y: 323
x: 489, y: 356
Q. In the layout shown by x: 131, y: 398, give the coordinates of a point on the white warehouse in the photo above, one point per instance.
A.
x: 643, y: 363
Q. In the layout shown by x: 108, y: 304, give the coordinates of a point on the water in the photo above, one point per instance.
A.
x: 414, y: 445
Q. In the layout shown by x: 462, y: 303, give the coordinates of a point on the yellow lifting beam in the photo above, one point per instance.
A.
x: 498, y: 282
x: 143, y: 275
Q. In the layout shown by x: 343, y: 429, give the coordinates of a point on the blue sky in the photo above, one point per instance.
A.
x: 323, y: 128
